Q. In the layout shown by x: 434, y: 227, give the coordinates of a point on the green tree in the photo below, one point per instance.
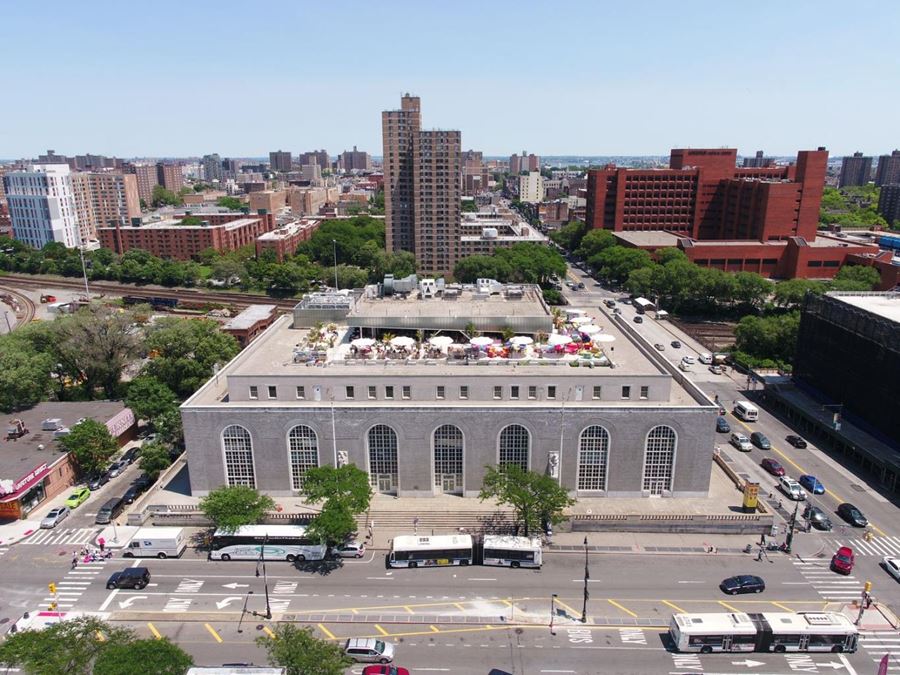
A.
x: 669, y: 254
x: 347, y: 484
x: 91, y: 445
x: 228, y: 270
x: 475, y: 267
x: 66, y: 648
x: 772, y: 338
x: 790, y: 293
x: 230, y: 507
x: 163, y: 197
x: 148, y: 398
x: 569, y: 235
x: 752, y: 289
x: 594, y: 242
x: 351, y: 276
x: 230, y: 203
x: 531, y: 263
x: 468, y: 206
x: 333, y: 523
x: 136, y: 656
x: 186, y: 352
x: 295, y: 649
x: 168, y: 426
x: 617, y: 262
x: 862, y: 274
x: 534, y: 496
x: 154, y: 459
x: 25, y: 373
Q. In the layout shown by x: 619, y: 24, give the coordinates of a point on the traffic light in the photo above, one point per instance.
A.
x: 52, y: 587
x: 52, y: 606
x: 867, y: 587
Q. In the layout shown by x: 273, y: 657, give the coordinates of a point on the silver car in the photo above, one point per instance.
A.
x: 54, y: 517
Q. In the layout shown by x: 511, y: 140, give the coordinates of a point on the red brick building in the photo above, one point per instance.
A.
x: 734, y: 218
x: 285, y: 239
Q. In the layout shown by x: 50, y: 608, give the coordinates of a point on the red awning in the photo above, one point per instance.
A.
x: 38, y: 477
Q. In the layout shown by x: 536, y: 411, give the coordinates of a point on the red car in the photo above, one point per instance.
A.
x: 384, y: 670
x: 843, y: 560
x: 772, y: 466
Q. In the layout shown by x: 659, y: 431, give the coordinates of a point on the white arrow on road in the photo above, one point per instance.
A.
x: 227, y: 601
x: 748, y: 663
x: 830, y: 664
x: 233, y: 585
x: 130, y: 600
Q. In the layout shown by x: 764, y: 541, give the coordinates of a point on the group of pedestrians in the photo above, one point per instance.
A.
x: 90, y: 553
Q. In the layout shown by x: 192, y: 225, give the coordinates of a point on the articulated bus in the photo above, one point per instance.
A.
x: 507, y: 551
x: 763, y: 632
x: 266, y: 542
x: 434, y: 551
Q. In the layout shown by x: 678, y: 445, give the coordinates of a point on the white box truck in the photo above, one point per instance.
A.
x: 156, y: 542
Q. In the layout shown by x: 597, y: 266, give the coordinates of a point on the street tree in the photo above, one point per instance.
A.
x: 230, y: 203
x: 148, y: 398
x: 299, y: 652
x: 91, y: 445
x: 752, y: 289
x: 534, y: 496
x: 230, y: 507
x: 595, y: 241
x: 154, y: 459
x: 862, y: 274
x: 163, y: 197
x: 228, y: 271
x: 333, y: 524
x: 347, y: 485
x: 65, y: 648
x: 617, y: 262
x: 25, y: 373
x: 569, y: 236
x: 168, y: 426
x: 161, y: 657
x: 790, y: 293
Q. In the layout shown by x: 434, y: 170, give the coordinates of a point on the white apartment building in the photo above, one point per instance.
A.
x: 531, y: 187
x: 42, y: 205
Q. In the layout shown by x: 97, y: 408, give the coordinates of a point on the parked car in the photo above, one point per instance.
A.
x: 369, y: 650
x: 349, y: 549
x: 638, y: 319
x: 132, y: 493
x: 609, y: 303
x: 78, y: 497
x: 796, y: 441
x: 852, y: 515
x: 842, y: 561
x: 142, y: 482
x: 384, y: 670
x: 741, y: 442
x: 54, y: 517
x: 891, y: 566
x: 722, y: 425
x: 660, y: 347
x: 812, y: 484
x: 687, y: 358
x: 150, y: 438
x: 580, y: 286
x: 817, y: 517
x: 773, y: 466
x: 791, y: 488
x: 130, y: 577
x: 743, y: 583
x: 760, y: 441
x: 96, y: 481
x: 716, y: 369
x: 115, y: 469
x: 130, y: 455
x: 676, y: 344
x: 619, y: 311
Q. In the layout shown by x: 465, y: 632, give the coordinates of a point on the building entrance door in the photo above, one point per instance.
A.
x: 657, y: 487
x: 386, y: 483
x: 451, y: 483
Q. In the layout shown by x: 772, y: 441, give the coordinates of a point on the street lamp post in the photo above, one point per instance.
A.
x: 790, y: 533
x: 334, y: 247
x: 552, y: 612
x: 262, y: 561
x: 244, y: 611
x: 587, y: 575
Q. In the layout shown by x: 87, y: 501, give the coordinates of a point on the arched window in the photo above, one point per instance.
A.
x: 515, y: 443
x: 448, y: 458
x: 238, y: 456
x: 383, y: 458
x: 659, y: 458
x: 593, y: 455
x: 303, y: 446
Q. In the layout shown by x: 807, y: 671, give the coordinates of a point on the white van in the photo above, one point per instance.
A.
x: 791, y: 488
x: 746, y: 411
x: 705, y: 358
x: 156, y: 542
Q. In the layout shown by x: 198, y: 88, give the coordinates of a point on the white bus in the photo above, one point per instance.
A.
x: 642, y: 305
x: 265, y: 542
x: 507, y: 551
x: 435, y: 551
x: 763, y: 632
x: 746, y: 411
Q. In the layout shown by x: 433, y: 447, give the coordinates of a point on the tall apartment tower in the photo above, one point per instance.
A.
x: 146, y: 180
x: 855, y: 170
x: 758, y: 161
x: 212, y: 167
x: 525, y: 162
x: 170, y: 176
x: 280, y: 160
x: 42, y: 205
x: 888, y: 170
x: 422, y: 188
x: 104, y: 199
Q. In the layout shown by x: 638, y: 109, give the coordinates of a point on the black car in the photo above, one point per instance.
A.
x: 796, y: 441
x: 743, y: 583
x: 852, y: 515
x: 638, y: 319
x: 132, y: 493
x: 130, y: 455
x: 609, y: 303
x: 131, y: 577
x: 817, y: 517
x: 97, y: 480
x: 676, y: 344
x: 142, y: 482
x: 722, y: 425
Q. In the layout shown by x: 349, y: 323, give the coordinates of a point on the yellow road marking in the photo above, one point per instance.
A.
x: 408, y: 609
x: 355, y: 611
x: 729, y: 607
x: 486, y: 628
x: 507, y: 603
x: 154, y: 631
x: 623, y: 608
x: 674, y: 606
x: 326, y: 631
x: 101, y: 636
x: 269, y: 632
x: 212, y: 631
x: 459, y: 607
x: 568, y: 608
x: 784, y: 607
x: 435, y: 629
x: 381, y: 630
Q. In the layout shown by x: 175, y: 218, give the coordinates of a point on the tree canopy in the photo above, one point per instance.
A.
x: 230, y: 507
x: 297, y: 650
x: 521, y: 263
x: 148, y: 398
x: 862, y: 274
x: 90, y: 444
x: 344, y: 492
x: 569, y: 235
x: 163, y: 197
x: 136, y: 656
x: 533, y: 496
x: 231, y: 203
x: 770, y: 339
x: 154, y: 459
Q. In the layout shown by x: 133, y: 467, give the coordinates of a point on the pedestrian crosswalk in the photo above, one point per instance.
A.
x: 74, y: 584
x: 878, y: 546
x: 880, y: 642
x: 830, y: 585
x: 69, y: 535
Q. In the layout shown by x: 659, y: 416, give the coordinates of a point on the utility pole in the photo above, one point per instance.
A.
x: 334, y: 247
x: 262, y: 561
x: 587, y: 576
x: 552, y: 612
x: 789, y: 539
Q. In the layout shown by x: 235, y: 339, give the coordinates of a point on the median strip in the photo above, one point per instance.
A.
x: 622, y: 607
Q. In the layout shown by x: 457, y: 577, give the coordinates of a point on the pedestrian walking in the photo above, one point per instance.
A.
x: 102, y: 542
x: 416, y: 525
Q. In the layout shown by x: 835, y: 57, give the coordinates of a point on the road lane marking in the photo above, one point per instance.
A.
x: 212, y: 631
x: 784, y: 607
x: 327, y: 632
x: 108, y: 600
x: 434, y: 629
x: 459, y: 607
x: 408, y: 609
x: 154, y: 631
x: 674, y: 606
x: 623, y: 608
x: 269, y: 632
x: 568, y: 608
x: 381, y: 630
x: 728, y: 607
x: 480, y: 579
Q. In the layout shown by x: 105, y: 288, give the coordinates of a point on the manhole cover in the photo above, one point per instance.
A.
x: 858, y: 488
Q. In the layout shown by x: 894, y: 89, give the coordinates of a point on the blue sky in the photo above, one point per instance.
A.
x: 596, y: 78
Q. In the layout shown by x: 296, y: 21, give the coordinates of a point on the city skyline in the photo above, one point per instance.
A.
x: 618, y: 81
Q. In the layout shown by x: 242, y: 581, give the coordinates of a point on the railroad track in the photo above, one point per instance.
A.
x: 114, y: 288
x: 713, y: 336
x: 24, y: 307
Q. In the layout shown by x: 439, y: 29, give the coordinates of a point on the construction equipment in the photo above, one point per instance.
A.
x: 16, y: 429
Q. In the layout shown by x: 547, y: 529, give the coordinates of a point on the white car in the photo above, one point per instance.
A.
x: 892, y: 566
x: 791, y: 488
x: 54, y: 517
x: 350, y: 549
x: 687, y: 358
x: 741, y: 442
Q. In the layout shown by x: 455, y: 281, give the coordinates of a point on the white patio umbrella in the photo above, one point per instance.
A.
x: 363, y: 342
x: 605, y: 337
x: 557, y: 339
x: 578, y: 320
x: 521, y: 340
x: 402, y: 341
x: 441, y: 341
x: 481, y: 341
x: 590, y: 329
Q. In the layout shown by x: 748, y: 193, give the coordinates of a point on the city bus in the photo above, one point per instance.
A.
x: 642, y: 305
x: 434, y: 551
x: 265, y: 542
x: 508, y: 551
x: 746, y: 411
x: 763, y: 632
